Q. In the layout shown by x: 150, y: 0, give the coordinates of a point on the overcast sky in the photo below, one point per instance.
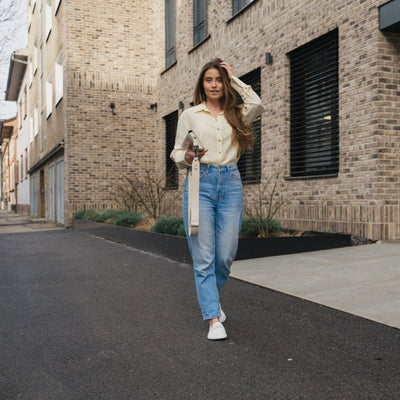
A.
x: 13, y: 34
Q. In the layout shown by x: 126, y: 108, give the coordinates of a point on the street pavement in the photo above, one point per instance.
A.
x: 85, y: 318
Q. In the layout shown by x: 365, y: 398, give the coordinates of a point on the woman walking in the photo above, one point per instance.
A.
x: 223, y: 130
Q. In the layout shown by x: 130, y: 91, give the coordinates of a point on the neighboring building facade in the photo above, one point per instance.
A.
x: 328, y: 74
x: 23, y: 141
x: 9, y: 167
x: 93, y: 81
x: 17, y: 90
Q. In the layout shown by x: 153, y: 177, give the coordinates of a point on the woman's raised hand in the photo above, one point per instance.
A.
x: 228, y: 68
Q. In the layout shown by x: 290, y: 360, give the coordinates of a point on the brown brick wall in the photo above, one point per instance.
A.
x: 364, y: 199
x: 112, y: 55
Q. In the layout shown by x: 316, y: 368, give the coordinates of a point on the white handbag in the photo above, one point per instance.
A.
x: 194, y: 183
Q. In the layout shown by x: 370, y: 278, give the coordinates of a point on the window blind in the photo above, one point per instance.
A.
x: 171, y: 170
x: 170, y: 57
x: 314, y: 108
x: 199, y: 21
x: 238, y: 5
x: 249, y: 163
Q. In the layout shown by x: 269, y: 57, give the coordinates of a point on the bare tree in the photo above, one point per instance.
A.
x: 145, y: 193
x: 12, y: 20
x: 266, y: 202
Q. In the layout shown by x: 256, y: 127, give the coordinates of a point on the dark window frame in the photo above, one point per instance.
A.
x: 238, y: 8
x: 314, y: 108
x: 171, y: 170
x: 200, y: 21
x: 170, y: 40
x: 249, y: 163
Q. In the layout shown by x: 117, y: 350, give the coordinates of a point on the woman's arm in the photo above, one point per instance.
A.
x: 183, y: 157
x: 252, y: 105
x: 178, y: 153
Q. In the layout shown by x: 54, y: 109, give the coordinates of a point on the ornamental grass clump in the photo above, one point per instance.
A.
x: 170, y: 226
x: 256, y: 227
x: 107, y: 216
x: 128, y: 219
x: 84, y: 214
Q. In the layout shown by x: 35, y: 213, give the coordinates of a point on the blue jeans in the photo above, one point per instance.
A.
x: 215, y: 247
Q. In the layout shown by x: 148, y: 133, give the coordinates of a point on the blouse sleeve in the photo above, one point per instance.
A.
x: 178, y: 153
x: 252, y: 107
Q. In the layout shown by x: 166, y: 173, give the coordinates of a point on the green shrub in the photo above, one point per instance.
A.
x: 106, y: 215
x: 249, y: 228
x: 253, y: 227
x: 84, y: 214
x: 181, y: 231
x: 274, y: 227
x: 128, y: 219
x: 170, y: 226
x: 79, y: 214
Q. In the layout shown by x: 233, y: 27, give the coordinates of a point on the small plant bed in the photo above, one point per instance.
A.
x: 120, y: 218
x: 166, y: 236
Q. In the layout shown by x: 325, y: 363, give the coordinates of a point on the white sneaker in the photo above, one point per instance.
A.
x: 217, y: 332
x: 222, y: 318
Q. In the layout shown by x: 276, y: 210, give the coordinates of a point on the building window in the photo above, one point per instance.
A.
x: 22, y: 169
x: 25, y: 101
x: 170, y: 57
x: 30, y: 75
x: 199, y: 21
x: 49, y: 18
x: 20, y: 114
x: 314, y: 112
x: 36, y: 121
x: 249, y: 163
x: 49, y: 96
x: 42, y: 120
x: 171, y: 170
x: 26, y: 163
x: 58, y: 79
x: 35, y: 59
x: 238, y: 5
x: 29, y: 15
x: 56, y: 6
x: 31, y: 127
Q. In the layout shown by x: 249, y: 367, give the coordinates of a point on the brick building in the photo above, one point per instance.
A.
x: 329, y: 74
x: 8, y: 161
x: 107, y: 84
x: 17, y: 91
x: 92, y: 81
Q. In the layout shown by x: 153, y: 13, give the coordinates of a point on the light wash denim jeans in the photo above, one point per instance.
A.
x: 215, y: 247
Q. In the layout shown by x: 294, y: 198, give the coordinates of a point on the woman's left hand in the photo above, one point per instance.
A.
x: 228, y: 68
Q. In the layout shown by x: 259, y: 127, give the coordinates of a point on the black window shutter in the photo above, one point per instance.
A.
x: 249, y: 163
x: 314, y: 108
x: 171, y: 170
x: 199, y: 20
x: 170, y: 57
x: 238, y: 5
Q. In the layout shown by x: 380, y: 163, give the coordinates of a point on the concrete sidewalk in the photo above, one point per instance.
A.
x: 10, y: 222
x: 361, y: 280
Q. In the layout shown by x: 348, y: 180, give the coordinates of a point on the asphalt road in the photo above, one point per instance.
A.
x: 84, y: 318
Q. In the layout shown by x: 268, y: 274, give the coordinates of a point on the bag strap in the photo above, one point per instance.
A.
x: 194, y: 186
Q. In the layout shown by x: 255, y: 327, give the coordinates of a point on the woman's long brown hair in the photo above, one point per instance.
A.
x: 233, y: 112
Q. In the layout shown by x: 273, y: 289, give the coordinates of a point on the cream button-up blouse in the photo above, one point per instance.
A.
x: 215, y: 133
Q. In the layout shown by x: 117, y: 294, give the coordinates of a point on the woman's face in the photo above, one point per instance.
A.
x: 213, y: 86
